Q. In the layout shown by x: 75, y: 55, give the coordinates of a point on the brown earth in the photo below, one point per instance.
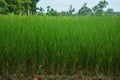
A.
x: 58, y: 77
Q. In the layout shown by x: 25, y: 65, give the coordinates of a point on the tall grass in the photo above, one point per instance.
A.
x: 63, y: 45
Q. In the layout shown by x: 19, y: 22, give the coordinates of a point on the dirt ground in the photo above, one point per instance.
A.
x: 58, y: 77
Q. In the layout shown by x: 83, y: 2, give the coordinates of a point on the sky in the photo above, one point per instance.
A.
x: 63, y: 5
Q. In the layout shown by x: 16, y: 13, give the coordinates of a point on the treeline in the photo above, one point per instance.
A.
x: 84, y: 10
x: 28, y: 7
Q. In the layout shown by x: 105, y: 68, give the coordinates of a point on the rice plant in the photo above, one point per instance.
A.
x: 62, y: 45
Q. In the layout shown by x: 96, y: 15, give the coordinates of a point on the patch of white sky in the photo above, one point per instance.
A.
x: 63, y: 5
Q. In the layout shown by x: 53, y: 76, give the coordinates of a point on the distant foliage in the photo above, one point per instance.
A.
x: 71, y: 10
x: 109, y: 11
x: 98, y: 9
x: 3, y: 7
x: 28, y: 7
x: 85, y: 10
x: 19, y: 7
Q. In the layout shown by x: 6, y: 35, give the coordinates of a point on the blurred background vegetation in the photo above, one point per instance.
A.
x: 28, y: 7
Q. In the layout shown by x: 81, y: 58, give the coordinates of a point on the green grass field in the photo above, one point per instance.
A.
x: 59, y: 45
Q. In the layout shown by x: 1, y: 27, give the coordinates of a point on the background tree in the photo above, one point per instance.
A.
x: 21, y: 6
x: 109, y: 11
x: 41, y: 10
x: 95, y: 8
x: 27, y: 6
x: 3, y: 7
x: 84, y: 10
x: 48, y: 9
x: 63, y: 13
x: 102, y: 4
x: 33, y: 6
x: 98, y: 9
x: 12, y: 6
x: 53, y: 12
x: 71, y: 10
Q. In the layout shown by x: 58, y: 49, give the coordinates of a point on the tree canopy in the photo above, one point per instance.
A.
x: 84, y: 10
x: 18, y: 6
x: 98, y: 9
